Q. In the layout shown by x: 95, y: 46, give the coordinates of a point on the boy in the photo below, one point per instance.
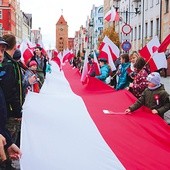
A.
x: 154, y: 97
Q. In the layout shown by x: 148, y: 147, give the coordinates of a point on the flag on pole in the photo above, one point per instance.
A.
x: 56, y: 58
x: 114, y: 50
x: 26, y: 51
x: 84, y: 75
x: 155, y: 60
x: 164, y: 45
x: 105, y: 53
x: 112, y: 15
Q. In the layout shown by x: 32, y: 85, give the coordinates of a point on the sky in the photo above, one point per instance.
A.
x: 45, y: 15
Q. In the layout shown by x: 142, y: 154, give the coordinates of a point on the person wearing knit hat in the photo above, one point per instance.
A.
x: 154, y: 80
x: 155, y: 97
x: 32, y: 63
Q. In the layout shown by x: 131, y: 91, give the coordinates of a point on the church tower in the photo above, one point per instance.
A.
x: 61, y: 34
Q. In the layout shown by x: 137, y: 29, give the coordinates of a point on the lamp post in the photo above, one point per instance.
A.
x: 126, y: 27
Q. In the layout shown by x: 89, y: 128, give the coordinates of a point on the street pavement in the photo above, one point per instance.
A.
x: 166, y: 82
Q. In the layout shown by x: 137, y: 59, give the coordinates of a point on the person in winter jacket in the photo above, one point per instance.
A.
x: 5, y: 137
x: 104, y: 70
x: 154, y: 97
x: 140, y: 78
x: 32, y: 72
x: 122, y: 73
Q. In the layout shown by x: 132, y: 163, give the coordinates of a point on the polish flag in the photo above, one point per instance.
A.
x: 40, y: 44
x: 105, y: 53
x: 84, y: 75
x: 112, y: 15
x: 97, y: 63
x: 114, y: 50
x: 91, y: 130
x: 150, y: 53
x: 164, y: 45
x: 67, y: 55
x: 26, y: 52
x: 56, y: 58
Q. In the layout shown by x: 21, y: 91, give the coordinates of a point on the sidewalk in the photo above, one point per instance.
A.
x: 166, y: 82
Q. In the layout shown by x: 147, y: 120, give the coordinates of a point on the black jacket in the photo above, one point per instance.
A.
x: 11, y: 85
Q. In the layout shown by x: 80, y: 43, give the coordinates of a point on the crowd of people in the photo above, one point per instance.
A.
x: 16, y: 79
x: 133, y: 74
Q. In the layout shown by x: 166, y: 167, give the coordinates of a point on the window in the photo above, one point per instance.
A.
x: 166, y: 6
x: 100, y: 19
x: 1, y: 29
x: 139, y: 36
x: 151, y: 3
x: 157, y: 26
x: 135, y: 33
x: 132, y: 34
x: 0, y: 14
x: 100, y: 10
x: 146, y: 30
x: 151, y: 29
x: 146, y: 5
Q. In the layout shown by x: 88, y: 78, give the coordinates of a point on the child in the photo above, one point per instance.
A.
x: 122, y: 73
x: 154, y: 97
x: 31, y: 72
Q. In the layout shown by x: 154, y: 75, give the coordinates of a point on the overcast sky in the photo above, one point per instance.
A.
x: 46, y: 15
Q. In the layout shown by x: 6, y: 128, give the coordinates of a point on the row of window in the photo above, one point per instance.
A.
x: 146, y: 34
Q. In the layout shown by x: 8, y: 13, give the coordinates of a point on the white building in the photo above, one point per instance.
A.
x: 143, y: 16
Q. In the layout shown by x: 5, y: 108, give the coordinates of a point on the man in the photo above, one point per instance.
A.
x: 12, y: 88
x: 5, y: 138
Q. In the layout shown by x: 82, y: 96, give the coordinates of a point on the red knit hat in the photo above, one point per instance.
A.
x: 32, y: 63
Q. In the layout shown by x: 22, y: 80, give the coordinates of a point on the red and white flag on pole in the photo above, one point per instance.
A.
x: 155, y: 60
x: 112, y: 15
x: 114, y: 50
x: 105, y: 53
x: 67, y: 55
x: 26, y: 51
x: 40, y: 44
x: 84, y: 75
x: 164, y: 45
x: 56, y: 58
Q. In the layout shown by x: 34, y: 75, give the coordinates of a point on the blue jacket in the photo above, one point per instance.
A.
x: 123, y: 79
x: 104, y: 72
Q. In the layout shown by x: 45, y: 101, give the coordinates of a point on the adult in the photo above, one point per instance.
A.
x: 11, y: 85
x: 5, y: 137
x: 41, y: 63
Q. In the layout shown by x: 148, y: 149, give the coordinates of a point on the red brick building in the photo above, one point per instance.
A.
x: 7, y: 16
x: 61, y: 34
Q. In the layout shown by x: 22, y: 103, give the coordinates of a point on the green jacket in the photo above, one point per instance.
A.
x: 148, y: 99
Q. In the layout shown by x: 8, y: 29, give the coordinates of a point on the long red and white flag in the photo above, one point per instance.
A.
x: 112, y: 15
x: 150, y: 53
x: 83, y: 127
